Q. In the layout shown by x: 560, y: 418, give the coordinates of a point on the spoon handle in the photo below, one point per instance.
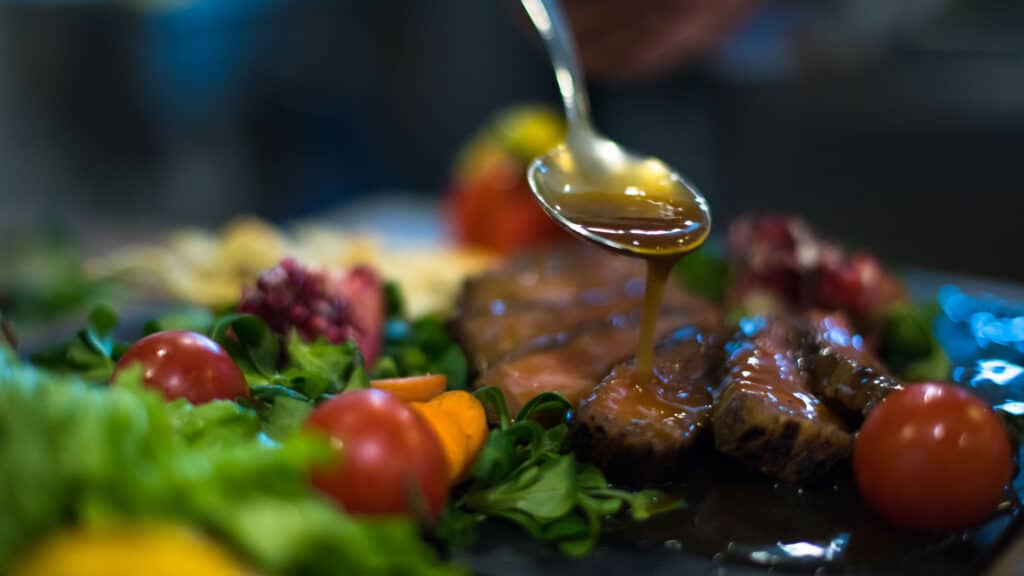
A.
x: 549, y: 20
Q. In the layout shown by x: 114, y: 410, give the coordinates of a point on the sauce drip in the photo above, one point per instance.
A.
x: 642, y: 210
x: 657, y: 275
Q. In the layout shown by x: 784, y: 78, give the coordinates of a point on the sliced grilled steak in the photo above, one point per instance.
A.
x: 766, y: 415
x: 640, y: 431
x: 487, y: 338
x: 575, y: 366
x: 842, y: 371
x: 571, y: 276
x: 539, y: 301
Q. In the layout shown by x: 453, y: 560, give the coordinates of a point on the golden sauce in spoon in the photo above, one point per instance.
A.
x: 640, y: 209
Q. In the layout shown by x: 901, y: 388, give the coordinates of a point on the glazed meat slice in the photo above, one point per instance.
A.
x: 641, y: 431
x: 574, y: 366
x: 538, y: 301
x: 766, y: 415
x: 570, y: 276
x: 487, y: 338
x: 842, y: 371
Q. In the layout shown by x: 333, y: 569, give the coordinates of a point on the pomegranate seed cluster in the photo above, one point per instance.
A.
x: 781, y: 255
x: 291, y: 296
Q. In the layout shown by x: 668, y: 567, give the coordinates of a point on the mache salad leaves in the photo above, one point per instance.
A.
x: 526, y: 475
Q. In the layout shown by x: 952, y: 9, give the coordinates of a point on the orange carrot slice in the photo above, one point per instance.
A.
x: 412, y: 388
x: 469, y: 414
x: 453, y: 440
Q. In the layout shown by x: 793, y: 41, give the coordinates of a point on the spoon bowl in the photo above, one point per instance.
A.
x: 626, y: 202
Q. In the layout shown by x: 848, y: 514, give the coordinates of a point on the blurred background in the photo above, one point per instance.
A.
x: 896, y: 126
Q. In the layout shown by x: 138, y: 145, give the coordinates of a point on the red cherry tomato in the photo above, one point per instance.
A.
x: 933, y: 457
x: 185, y: 365
x: 497, y: 211
x: 390, y: 458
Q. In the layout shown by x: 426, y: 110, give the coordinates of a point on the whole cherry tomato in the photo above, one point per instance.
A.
x: 390, y: 460
x: 185, y: 365
x: 933, y: 457
x: 494, y: 209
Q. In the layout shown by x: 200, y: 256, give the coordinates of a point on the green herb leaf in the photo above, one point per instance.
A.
x: 908, y: 345
x: 546, y: 495
x: 600, y: 506
x: 218, y: 422
x: 497, y: 459
x: 591, y: 478
x: 569, y: 527
x: 324, y: 367
x: 457, y: 528
x: 249, y: 341
x: 555, y: 438
x: 99, y: 330
x: 578, y: 547
x: 286, y: 417
x: 90, y: 353
x: 394, y: 302
x: 704, y: 272
x: 358, y: 380
x: 422, y: 347
x: 386, y: 368
x: 268, y: 393
x: 494, y: 402
x: 551, y: 404
x: 198, y: 320
x: 525, y: 476
x: 647, y: 503
x: 529, y: 436
x: 453, y: 364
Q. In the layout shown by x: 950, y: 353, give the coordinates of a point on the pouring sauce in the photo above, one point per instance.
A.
x: 640, y: 209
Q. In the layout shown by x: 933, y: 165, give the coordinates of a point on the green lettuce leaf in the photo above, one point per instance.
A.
x: 75, y: 453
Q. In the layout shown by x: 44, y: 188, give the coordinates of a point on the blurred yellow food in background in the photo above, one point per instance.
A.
x: 210, y: 268
x: 153, y: 550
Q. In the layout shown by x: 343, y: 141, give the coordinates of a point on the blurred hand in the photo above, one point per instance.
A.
x: 629, y: 39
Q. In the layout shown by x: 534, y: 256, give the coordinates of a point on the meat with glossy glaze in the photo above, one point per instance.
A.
x: 575, y: 366
x: 842, y: 370
x: 642, y: 431
x: 576, y: 276
x: 537, y: 301
x: 766, y: 415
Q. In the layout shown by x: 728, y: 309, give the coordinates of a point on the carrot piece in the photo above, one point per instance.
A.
x: 449, y: 433
x: 412, y: 388
x: 469, y: 414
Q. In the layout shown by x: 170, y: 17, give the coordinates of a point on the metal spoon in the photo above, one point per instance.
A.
x: 591, y: 178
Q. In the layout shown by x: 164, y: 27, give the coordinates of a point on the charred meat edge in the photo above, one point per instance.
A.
x: 766, y: 415
x: 842, y: 371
